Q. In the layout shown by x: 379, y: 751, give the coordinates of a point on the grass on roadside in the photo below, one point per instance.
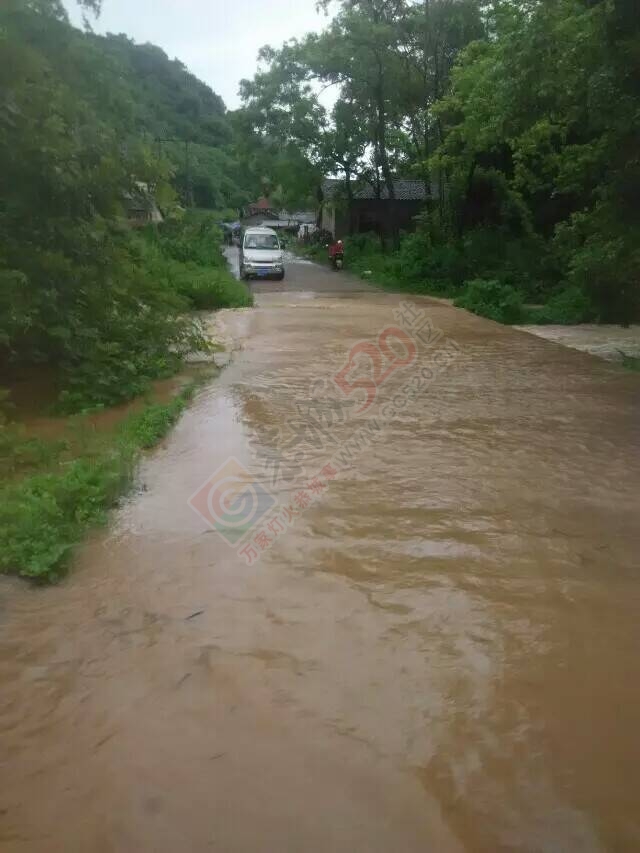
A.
x: 47, y: 512
x: 631, y: 362
x: 418, y: 266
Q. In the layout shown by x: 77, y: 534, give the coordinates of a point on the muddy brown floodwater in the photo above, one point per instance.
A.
x: 441, y: 654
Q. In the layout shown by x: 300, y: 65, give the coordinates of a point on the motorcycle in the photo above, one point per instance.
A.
x: 336, y: 255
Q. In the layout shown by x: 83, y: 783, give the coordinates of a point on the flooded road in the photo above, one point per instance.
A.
x: 440, y: 653
x: 606, y: 341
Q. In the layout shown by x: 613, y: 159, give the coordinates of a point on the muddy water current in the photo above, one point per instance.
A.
x: 441, y: 652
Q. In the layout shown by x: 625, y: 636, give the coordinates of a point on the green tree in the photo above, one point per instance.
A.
x: 77, y: 135
x: 389, y: 61
x: 541, y: 143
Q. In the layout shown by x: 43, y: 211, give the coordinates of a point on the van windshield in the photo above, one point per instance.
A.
x: 261, y: 241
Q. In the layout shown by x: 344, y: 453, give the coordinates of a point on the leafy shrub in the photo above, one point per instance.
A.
x: 76, y: 289
x: 147, y: 428
x: 366, y: 243
x: 20, y: 452
x: 194, y: 238
x: 492, y: 299
x: 608, y: 269
x: 442, y: 265
x: 209, y: 288
x: 320, y: 238
x: 567, y: 307
x: 43, y: 516
x: 631, y: 362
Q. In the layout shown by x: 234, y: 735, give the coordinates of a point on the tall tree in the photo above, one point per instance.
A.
x: 390, y: 61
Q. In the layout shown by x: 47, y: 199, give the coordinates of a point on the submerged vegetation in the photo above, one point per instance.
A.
x: 56, y: 491
x: 631, y: 362
x: 89, y: 125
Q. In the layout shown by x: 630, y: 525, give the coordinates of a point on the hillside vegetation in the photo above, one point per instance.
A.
x: 80, y: 119
x: 523, y: 118
x: 87, y: 302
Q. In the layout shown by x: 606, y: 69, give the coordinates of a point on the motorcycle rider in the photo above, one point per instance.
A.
x: 336, y: 254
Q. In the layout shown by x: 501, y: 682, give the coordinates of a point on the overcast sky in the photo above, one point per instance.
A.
x: 218, y: 40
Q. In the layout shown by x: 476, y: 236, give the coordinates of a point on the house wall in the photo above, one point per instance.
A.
x: 255, y: 219
x: 328, y: 219
x: 383, y: 216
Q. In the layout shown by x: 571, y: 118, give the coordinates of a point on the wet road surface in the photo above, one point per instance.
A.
x: 441, y: 652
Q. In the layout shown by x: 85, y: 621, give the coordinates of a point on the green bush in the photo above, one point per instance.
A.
x: 367, y: 243
x: 194, y: 238
x: 186, y: 255
x: 209, y: 288
x: 110, y: 350
x: 431, y: 268
x: 492, y: 299
x: 105, y: 321
x: 631, y: 362
x: 77, y: 291
x: 20, y: 452
x: 145, y: 430
x: 567, y: 308
x: 43, y: 516
x: 609, y: 271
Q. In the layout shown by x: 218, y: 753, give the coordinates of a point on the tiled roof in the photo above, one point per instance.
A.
x: 262, y: 204
x: 403, y: 190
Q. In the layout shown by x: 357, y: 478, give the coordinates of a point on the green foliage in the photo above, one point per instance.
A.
x: 213, y: 289
x: 567, y: 307
x: 630, y: 362
x: 20, y: 453
x: 492, y: 299
x: 43, y: 516
x: 541, y: 144
x: 390, y: 62
x: 433, y: 266
x: 185, y: 254
x: 521, y: 115
x: 147, y: 428
x: 602, y: 258
x: 144, y: 96
x: 195, y: 237
x: 78, y: 290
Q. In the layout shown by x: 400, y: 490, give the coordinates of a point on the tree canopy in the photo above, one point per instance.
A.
x: 522, y: 116
x: 84, y: 121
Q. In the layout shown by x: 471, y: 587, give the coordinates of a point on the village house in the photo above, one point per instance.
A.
x: 259, y: 212
x: 141, y: 206
x: 264, y: 213
x: 365, y: 212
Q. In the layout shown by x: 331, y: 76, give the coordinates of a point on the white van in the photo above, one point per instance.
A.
x: 261, y: 254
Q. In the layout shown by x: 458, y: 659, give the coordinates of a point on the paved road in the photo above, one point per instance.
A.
x: 302, y: 276
x: 432, y: 646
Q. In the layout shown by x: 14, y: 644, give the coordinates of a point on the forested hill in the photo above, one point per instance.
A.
x: 140, y: 88
x: 138, y: 92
